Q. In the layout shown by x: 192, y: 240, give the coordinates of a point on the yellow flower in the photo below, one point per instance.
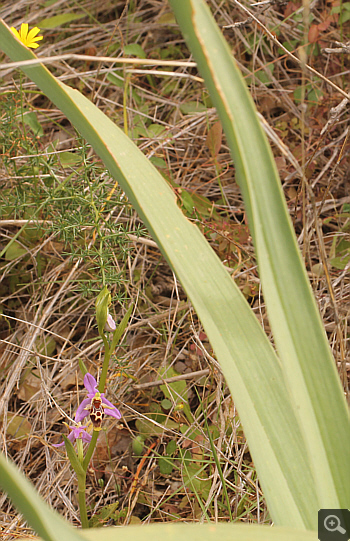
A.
x: 28, y: 38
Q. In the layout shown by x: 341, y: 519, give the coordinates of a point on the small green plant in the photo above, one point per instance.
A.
x: 95, y: 405
x: 78, y: 211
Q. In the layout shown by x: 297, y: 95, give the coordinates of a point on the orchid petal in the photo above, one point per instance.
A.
x: 113, y: 413
x: 71, y: 436
x: 90, y: 384
x: 77, y: 432
x: 58, y: 444
x: 86, y: 437
x: 111, y: 409
x: 81, y: 411
x: 110, y: 325
x: 107, y: 402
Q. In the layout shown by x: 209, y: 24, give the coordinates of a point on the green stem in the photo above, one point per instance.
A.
x: 101, y: 386
x: 103, y: 377
x: 82, y: 508
x: 90, y: 450
x: 80, y: 450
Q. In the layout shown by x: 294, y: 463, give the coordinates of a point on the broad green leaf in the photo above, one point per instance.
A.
x: 199, y: 532
x: 308, y: 366
x: 116, y: 80
x: 17, y: 426
x: 186, y: 201
x: 69, y: 159
x: 99, y: 518
x: 190, y: 107
x: 166, y: 464
x: 60, y: 20
x: 196, y: 532
x: 159, y: 162
x: 14, y: 250
x: 31, y: 119
x: 138, y: 444
x: 340, y: 262
x: 155, y: 130
x: 171, y: 447
x: 134, y: 49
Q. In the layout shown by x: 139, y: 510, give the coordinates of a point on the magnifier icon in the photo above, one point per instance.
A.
x: 332, y: 524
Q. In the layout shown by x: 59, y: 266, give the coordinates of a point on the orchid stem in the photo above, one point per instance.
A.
x: 92, y: 445
x: 82, y: 508
x: 90, y: 450
x: 101, y: 386
x: 103, y: 377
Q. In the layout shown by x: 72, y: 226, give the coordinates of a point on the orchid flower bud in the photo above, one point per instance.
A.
x: 110, y: 325
x: 103, y: 300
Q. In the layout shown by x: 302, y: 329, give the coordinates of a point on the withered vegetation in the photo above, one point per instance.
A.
x: 64, y: 223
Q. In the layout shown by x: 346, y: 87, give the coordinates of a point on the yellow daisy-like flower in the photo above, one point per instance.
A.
x: 28, y: 38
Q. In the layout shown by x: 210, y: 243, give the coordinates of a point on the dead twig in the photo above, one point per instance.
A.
x: 343, y: 48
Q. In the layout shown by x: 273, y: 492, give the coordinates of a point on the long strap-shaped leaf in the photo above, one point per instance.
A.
x: 51, y: 527
x: 308, y: 365
x: 46, y: 522
x: 200, y: 532
x: 250, y: 366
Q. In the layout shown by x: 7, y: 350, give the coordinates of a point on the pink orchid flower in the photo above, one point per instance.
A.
x: 95, y: 405
x: 77, y: 432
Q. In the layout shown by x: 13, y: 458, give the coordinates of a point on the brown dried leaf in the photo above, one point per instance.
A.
x: 214, y: 139
x: 314, y: 33
x: 29, y: 386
